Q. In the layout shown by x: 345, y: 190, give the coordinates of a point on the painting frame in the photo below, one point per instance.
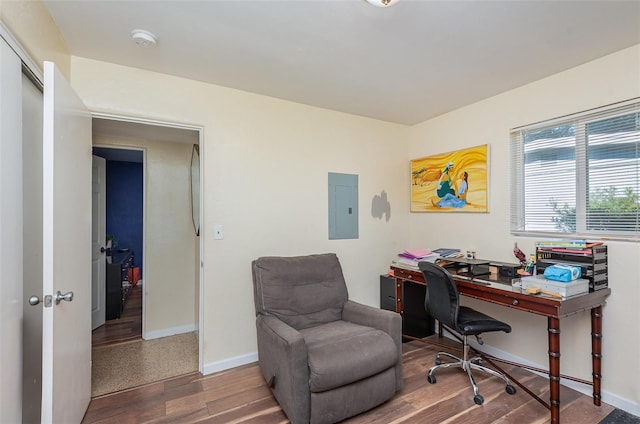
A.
x: 456, y: 181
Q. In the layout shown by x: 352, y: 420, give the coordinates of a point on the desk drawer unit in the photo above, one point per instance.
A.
x: 524, y: 302
x: 409, y: 275
x: 388, y: 293
x: 408, y: 299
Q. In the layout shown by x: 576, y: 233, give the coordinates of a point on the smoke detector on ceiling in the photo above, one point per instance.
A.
x: 144, y: 38
x: 382, y: 3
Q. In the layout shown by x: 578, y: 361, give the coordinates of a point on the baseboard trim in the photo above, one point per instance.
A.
x: 229, y: 363
x: 150, y: 335
x: 607, y: 397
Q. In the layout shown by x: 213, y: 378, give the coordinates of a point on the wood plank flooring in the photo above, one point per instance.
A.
x: 240, y: 395
x: 127, y: 328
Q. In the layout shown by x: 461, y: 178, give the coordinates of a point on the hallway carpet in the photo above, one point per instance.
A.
x: 133, y: 364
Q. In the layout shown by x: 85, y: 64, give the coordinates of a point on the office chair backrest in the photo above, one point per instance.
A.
x: 442, y: 300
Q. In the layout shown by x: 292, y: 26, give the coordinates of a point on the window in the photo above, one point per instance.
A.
x: 578, y: 175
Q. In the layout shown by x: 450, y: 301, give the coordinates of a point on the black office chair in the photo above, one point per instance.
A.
x: 442, y: 302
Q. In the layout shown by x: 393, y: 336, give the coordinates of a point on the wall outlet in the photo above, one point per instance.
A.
x: 218, y: 232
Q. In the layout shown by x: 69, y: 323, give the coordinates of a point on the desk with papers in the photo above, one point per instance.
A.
x: 499, y: 291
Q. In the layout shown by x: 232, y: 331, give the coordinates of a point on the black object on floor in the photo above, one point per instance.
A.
x: 618, y: 416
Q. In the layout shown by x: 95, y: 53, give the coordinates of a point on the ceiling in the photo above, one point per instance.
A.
x: 405, y: 64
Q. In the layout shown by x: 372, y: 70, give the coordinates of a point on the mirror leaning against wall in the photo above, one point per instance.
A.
x: 195, y: 188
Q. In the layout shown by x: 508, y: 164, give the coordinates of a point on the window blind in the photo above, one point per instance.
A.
x: 578, y: 174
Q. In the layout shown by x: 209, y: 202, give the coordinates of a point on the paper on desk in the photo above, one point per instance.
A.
x: 418, y: 253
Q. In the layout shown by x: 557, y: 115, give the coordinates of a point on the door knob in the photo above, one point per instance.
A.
x: 102, y: 249
x: 67, y: 296
x: 35, y: 300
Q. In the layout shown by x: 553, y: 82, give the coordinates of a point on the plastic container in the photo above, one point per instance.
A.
x: 572, y: 288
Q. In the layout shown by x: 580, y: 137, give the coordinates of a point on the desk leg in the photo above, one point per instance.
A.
x: 554, y: 368
x: 596, y: 351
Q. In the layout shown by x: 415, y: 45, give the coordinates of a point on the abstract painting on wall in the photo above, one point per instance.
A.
x: 451, y: 182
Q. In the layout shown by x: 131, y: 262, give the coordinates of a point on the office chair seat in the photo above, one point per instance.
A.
x: 472, y: 322
x: 442, y: 302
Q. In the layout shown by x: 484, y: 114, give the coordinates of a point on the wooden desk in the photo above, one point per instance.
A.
x: 552, y: 308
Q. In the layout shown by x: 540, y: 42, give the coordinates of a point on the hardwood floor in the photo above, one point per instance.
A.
x: 127, y: 328
x: 240, y: 395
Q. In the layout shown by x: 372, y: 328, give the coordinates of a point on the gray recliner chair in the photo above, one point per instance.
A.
x: 325, y: 357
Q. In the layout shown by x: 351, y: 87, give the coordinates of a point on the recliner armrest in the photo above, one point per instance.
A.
x: 283, y: 354
x: 388, y: 321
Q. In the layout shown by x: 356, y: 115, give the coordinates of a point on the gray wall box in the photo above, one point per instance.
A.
x: 343, y: 206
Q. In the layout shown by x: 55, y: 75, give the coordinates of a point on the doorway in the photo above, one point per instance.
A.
x: 165, y: 304
x: 118, y: 223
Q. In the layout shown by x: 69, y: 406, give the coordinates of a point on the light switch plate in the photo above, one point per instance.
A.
x: 218, y: 232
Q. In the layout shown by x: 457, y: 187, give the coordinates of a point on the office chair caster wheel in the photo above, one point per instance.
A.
x: 479, y: 400
x: 431, y: 379
x: 438, y: 360
x: 510, y: 389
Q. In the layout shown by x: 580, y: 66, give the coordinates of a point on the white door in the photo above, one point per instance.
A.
x: 98, y: 241
x: 11, y: 301
x: 66, y: 228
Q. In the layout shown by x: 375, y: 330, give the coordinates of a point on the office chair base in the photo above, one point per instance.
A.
x: 467, y: 365
x: 478, y: 399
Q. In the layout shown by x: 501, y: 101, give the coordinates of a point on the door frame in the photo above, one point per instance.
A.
x: 100, y: 164
x: 175, y: 125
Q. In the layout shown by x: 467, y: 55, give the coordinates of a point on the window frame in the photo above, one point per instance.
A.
x: 518, y: 213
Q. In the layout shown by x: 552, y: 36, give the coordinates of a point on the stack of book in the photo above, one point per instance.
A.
x: 567, y: 246
x: 410, y: 258
x: 578, y: 244
x: 445, y: 252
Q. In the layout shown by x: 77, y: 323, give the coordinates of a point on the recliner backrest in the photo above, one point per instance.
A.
x: 442, y: 300
x: 302, y: 291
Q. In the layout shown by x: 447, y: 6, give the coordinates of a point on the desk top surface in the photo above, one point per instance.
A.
x: 500, y: 291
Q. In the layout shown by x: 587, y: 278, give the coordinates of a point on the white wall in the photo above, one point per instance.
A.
x: 607, y: 80
x: 32, y: 26
x: 265, y: 166
x: 169, y: 239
